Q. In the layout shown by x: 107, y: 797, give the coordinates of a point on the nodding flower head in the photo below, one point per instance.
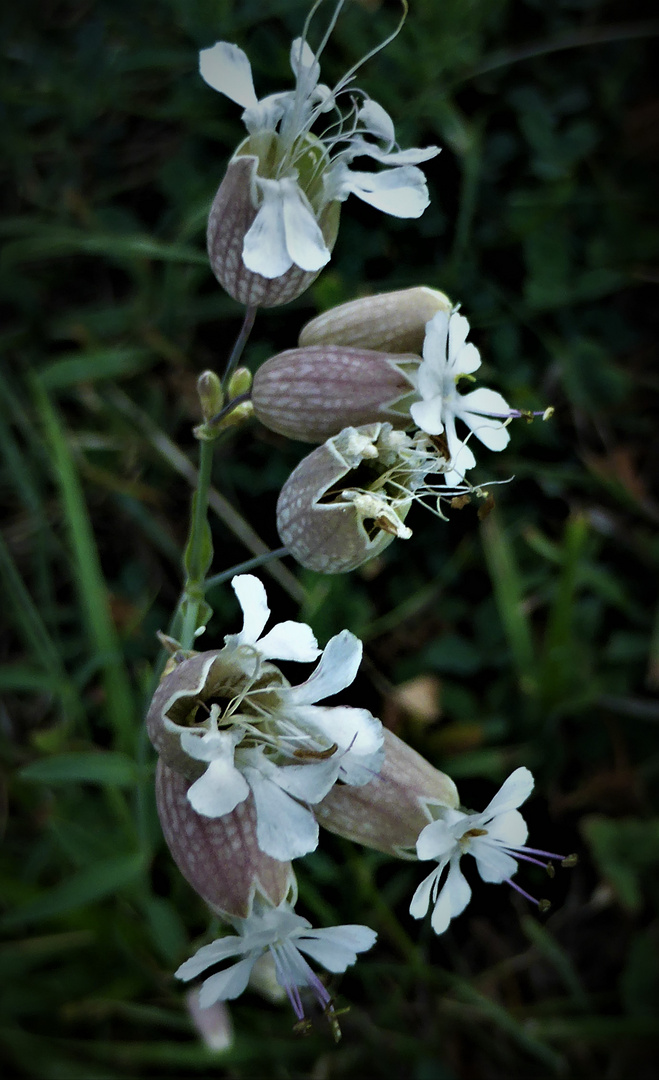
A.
x: 275, y: 217
x: 284, y: 936
x: 229, y: 721
x: 348, y: 499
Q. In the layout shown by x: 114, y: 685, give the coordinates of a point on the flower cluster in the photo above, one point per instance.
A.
x: 250, y: 764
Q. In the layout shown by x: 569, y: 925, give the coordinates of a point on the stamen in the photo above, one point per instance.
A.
x: 543, y: 905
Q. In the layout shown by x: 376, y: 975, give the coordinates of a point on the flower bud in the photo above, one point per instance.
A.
x: 327, y: 522
x: 211, y: 398
x: 390, y: 811
x: 313, y: 393
x: 219, y: 857
x: 392, y: 322
x: 240, y: 382
x: 232, y: 215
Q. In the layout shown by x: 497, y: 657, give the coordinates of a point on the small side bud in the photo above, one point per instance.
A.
x: 313, y: 393
x: 211, y: 398
x: 393, y: 322
x: 390, y: 811
x: 237, y: 416
x: 240, y: 383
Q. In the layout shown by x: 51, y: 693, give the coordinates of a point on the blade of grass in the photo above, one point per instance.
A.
x: 230, y: 517
x: 92, y: 589
x: 509, y: 597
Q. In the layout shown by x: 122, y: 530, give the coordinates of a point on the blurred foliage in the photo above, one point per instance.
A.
x: 539, y: 628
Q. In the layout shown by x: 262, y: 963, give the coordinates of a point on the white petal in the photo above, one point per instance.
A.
x: 435, y: 341
x: 493, y: 863
x: 431, y: 379
x: 208, y: 955
x: 266, y: 113
x: 427, y: 415
x: 478, y: 404
x: 357, y: 770
x: 304, y: 240
x: 436, y: 840
x: 512, y: 793
x: 335, y: 670
x: 458, y: 330
x: 219, y: 790
x: 284, y: 828
x: 441, y: 915
x: 457, y: 887
x: 467, y: 361
x: 304, y: 63
x: 309, y: 782
x: 421, y: 899
x: 264, y: 246
x: 377, y: 121
x: 226, y: 68
x: 413, y: 156
x: 354, y: 730
x: 253, y: 601
x: 227, y: 985
x: 401, y: 192
x: 209, y: 745
x: 462, y: 459
x: 289, y: 641
x: 336, y: 947
x: 487, y: 402
x: 509, y: 828
x: 491, y: 433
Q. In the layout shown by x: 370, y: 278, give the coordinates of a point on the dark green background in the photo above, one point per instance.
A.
x: 540, y: 624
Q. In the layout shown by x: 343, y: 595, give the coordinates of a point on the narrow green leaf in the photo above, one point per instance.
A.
x: 93, y: 593
x: 509, y: 596
x: 109, y: 767
x: 94, y: 364
x: 86, y: 887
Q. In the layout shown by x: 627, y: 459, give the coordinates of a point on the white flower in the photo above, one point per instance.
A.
x: 285, y: 935
x: 447, y: 357
x: 299, y: 173
x: 286, y: 641
x: 493, y: 838
x: 271, y: 739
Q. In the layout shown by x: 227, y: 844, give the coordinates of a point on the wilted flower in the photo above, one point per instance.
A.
x: 231, y: 722
x: 447, y: 358
x: 285, y: 223
x: 286, y: 936
x: 348, y: 499
x: 494, y: 837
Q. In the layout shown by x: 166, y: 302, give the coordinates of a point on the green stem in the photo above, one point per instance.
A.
x: 196, y: 563
x: 241, y: 341
x: 245, y: 567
